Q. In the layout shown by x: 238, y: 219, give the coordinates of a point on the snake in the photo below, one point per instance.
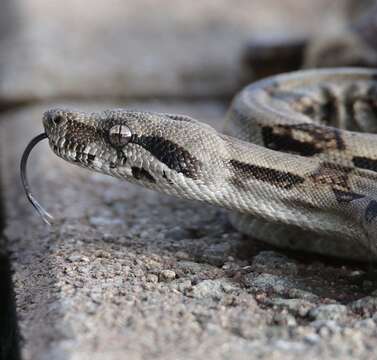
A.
x: 296, y: 164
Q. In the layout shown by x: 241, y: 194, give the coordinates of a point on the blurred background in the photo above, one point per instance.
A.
x: 97, y: 286
x: 146, y: 48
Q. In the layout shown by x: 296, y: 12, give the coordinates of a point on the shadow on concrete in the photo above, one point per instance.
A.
x: 9, y: 344
x: 9, y: 336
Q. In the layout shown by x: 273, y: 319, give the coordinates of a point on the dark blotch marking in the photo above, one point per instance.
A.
x: 169, y: 153
x: 82, y: 157
x: 333, y: 175
x: 276, y: 178
x: 346, y: 196
x: 122, y: 159
x: 142, y: 174
x: 355, y: 96
x: 370, y: 99
x: 337, y: 177
x: 287, y: 138
x: 349, y: 103
x: 77, y: 157
x: 285, y: 142
x: 371, y: 211
x: 167, y: 179
x: 365, y: 163
x: 330, y: 112
x: 91, y: 158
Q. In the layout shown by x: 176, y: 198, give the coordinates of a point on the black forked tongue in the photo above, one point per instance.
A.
x: 47, y: 218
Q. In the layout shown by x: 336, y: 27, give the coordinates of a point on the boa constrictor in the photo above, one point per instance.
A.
x: 297, y: 164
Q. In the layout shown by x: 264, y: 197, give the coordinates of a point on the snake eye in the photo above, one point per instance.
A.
x: 119, y: 135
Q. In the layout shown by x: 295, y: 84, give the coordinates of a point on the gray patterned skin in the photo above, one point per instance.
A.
x: 287, y: 167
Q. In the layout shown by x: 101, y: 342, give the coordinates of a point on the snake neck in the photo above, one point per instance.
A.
x: 237, y: 177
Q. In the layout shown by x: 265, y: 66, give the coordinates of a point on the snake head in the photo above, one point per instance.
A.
x: 159, y: 151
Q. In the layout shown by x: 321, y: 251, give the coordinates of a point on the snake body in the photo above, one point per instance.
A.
x: 296, y: 165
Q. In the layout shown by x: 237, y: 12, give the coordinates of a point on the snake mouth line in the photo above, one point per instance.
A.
x: 46, y: 217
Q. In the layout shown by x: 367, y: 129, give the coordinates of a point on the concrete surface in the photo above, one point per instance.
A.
x: 131, y: 274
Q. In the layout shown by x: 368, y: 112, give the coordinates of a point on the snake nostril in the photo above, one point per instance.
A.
x: 57, y: 119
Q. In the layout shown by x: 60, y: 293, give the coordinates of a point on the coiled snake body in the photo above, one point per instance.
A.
x: 294, y: 165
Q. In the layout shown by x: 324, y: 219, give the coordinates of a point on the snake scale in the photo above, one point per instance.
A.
x: 297, y: 163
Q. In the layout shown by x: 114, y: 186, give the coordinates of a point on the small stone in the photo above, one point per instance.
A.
x: 296, y: 306
x: 284, y: 319
x: 273, y: 263
x: 152, y: 278
x: 182, y: 285
x: 291, y: 346
x: 74, y: 258
x: 215, y: 254
x: 328, y: 312
x: 151, y: 264
x: 104, y: 221
x: 324, y: 332
x: 365, y: 306
x: 182, y: 255
x: 367, y: 284
x: 302, y: 294
x: 356, y: 273
x: 366, y: 324
x: 211, y: 288
x: 103, y: 254
x: 268, y: 282
x: 190, y: 267
x: 312, y: 339
x: 227, y: 266
x: 227, y: 287
x: 138, y: 273
x: 177, y: 233
x: 325, y: 327
x: 167, y: 275
x: 148, y: 286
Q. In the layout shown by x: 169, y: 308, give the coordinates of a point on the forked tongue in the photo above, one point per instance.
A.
x: 47, y: 218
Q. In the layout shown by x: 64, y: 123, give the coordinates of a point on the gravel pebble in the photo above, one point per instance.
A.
x: 167, y: 275
x: 153, y: 278
x: 296, y: 306
x: 365, y: 306
x: 211, y: 288
x: 273, y: 262
x: 326, y: 327
x: 268, y: 282
x: 328, y: 312
x: 312, y: 339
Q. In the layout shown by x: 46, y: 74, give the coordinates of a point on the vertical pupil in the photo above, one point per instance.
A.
x: 120, y: 134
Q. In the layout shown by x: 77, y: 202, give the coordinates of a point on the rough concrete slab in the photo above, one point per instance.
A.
x: 131, y: 274
x: 139, y: 47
